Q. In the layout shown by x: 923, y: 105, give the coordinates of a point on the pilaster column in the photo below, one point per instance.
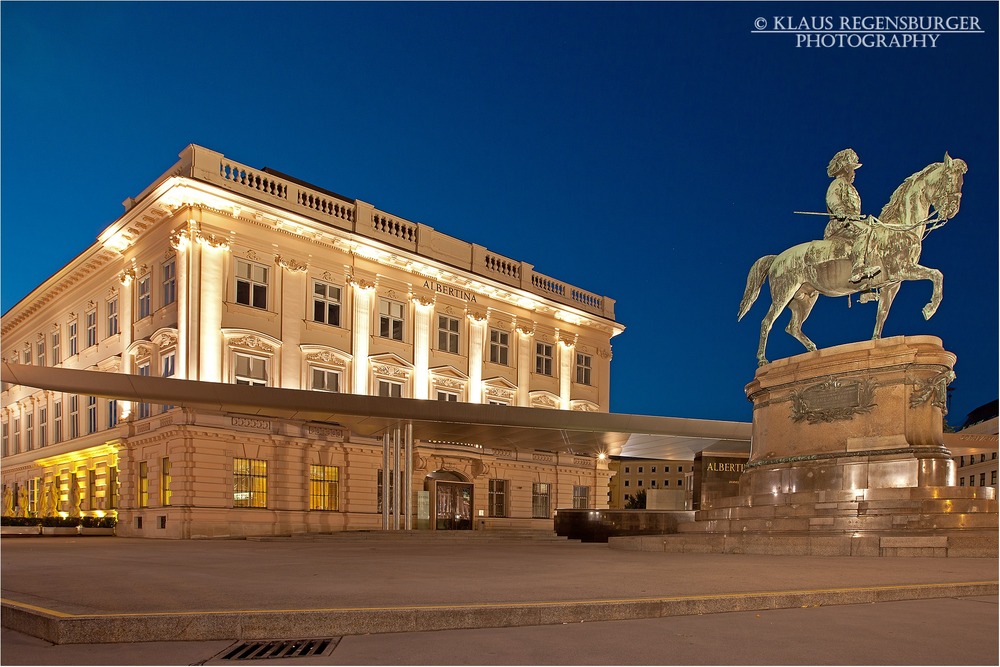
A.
x: 421, y: 346
x: 477, y: 334
x: 293, y: 304
x: 566, y: 358
x: 181, y: 242
x: 361, y: 342
x: 525, y: 338
x: 211, y: 295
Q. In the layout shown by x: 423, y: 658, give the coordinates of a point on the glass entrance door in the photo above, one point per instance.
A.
x: 453, y: 506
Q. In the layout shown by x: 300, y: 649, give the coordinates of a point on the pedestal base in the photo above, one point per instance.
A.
x: 847, y: 458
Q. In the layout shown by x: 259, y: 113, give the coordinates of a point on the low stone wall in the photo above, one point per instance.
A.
x: 599, y: 525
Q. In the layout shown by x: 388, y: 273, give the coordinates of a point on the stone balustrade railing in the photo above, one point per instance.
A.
x: 363, y: 219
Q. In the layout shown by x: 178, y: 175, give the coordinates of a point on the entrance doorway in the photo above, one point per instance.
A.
x: 452, y: 500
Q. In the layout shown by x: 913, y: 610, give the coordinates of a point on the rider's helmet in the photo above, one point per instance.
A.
x: 844, y: 158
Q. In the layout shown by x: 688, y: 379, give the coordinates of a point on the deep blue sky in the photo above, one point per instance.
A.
x: 647, y: 152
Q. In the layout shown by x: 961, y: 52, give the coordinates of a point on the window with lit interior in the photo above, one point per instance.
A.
x: 251, y: 284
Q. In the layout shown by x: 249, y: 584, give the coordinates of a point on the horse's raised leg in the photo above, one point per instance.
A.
x: 888, y: 293
x: 801, y: 305
x: 779, y: 299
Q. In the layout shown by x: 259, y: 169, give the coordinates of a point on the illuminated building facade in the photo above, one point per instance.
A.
x: 223, y: 273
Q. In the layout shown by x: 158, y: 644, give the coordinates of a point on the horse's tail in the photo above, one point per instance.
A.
x: 758, y: 272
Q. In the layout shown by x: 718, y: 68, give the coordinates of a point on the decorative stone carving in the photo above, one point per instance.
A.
x: 360, y: 283
x: 293, y: 265
x: 833, y: 400
x: 212, y: 241
x: 525, y: 329
x: 423, y: 301
x: 477, y: 316
x: 933, y: 389
x: 252, y: 342
x: 544, y: 400
x: 328, y: 358
x: 390, y: 371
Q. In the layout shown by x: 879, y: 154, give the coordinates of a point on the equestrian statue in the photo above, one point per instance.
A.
x: 859, y: 254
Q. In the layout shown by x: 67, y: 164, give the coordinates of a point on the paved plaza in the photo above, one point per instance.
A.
x: 420, y: 600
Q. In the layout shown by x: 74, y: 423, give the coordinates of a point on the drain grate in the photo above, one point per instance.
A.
x: 287, y: 648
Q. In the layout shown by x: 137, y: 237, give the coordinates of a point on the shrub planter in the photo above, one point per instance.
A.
x: 20, y: 530
x: 60, y: 530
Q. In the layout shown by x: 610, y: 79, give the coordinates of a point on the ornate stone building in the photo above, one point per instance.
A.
x: 223, y: 273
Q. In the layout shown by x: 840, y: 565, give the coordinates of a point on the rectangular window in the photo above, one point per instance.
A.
x: 251, y: 284
x: 112, y: 413
x: 112, y: 317
x: 653, y: 469
x: 324, y: 484
x: 539, y: 500
x: 626, y: 482
x: 91, y: 328
x: 250, y: 370
x: 5, y: 438
x: 972, y: 479
x: 667, y: 469
x: 583, y: 368
x: 993, y: 477
x: 249, y: 483
x: 74, y: 416
x: 91, y: 414
x: 498, y: 497
x: 92, y: 489
x: 169, y: 365
x: 143, y: 301
x: 961, y: 481
x: 55, y: 348
x: 499, y: 346
x: 40, y: 352
x: 26, y: 355
x: 73, y: 344
x: 169, y: 368
x: 57, y: 431
x: 324, y: 379
x: 326, y: 303
x: 581, y: 497
x: 29, y: 432
x: 389, y: 389
x: 43, y: 425
x: 447, y: 396
x: 143, y: 484
x: 143, y: 410
x: 33, y: 496
x: 378, y: 490
x: 982, y: 479
x: 112, y: 489
x: 543, y: 358
x: 627, y: 469
x: 165, y: 492
x: 640, y: 482
x: 390, y: 319
x: 640, y: 469
x: 448, y: 334
x: 169, y: 274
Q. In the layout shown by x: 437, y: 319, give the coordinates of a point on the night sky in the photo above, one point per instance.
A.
x: 647, y: 152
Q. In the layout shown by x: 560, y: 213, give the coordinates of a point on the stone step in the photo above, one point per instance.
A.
x: 936, y: 544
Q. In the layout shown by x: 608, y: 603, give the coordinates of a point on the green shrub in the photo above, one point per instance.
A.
x: 20, y: 521
x: 60, y: 522
x: 98, y: 522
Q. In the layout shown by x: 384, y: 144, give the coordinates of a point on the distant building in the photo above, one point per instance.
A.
x: 634, y: 475
x: 979, y: 469
x: 220, y: 272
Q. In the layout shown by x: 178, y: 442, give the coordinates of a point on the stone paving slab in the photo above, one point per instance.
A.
x: 69, y: 590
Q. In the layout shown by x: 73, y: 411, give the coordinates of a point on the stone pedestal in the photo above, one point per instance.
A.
x: 851, y: 418
x: 848, y: 458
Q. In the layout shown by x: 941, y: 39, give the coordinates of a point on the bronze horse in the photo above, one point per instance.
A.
x: 800, y: 274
